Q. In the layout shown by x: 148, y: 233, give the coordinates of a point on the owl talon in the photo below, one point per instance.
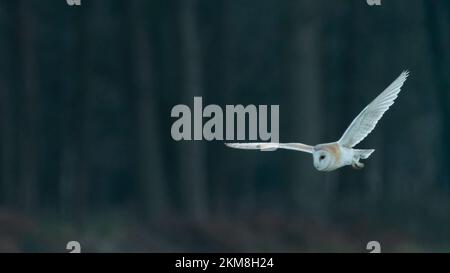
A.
x: 357, y: 165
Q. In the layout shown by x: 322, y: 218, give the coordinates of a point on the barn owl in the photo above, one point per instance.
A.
x: 331, y: 156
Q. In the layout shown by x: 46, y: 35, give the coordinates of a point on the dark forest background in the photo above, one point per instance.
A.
x: 86, y: 152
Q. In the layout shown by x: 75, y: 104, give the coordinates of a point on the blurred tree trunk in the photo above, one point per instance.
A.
x: 437, y: 18
x: 7, y: 142
x: 73, y: 180
x: 193, y: 156
x: 29, y: 114
x: 151, y: 176
x: 103, y: 125
x: 7, y: 109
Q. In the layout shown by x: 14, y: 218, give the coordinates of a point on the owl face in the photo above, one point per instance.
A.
x: 323, y: 160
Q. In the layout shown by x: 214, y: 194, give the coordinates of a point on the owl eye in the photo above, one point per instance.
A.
x: 322, y: 157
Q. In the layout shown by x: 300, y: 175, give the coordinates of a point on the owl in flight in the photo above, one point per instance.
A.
x: 331, y: 156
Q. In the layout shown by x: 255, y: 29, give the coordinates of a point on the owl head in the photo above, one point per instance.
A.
x: 323, y: 160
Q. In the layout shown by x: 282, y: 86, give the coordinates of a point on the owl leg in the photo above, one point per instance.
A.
x: 357, y: 165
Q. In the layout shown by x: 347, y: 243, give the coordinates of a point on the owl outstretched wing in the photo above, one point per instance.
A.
x: 366, y: 121
x: 268, y: 146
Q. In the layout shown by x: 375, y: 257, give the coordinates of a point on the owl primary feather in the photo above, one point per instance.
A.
x: 334, y: 155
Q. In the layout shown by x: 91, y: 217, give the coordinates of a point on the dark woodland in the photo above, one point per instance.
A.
x: 86, y: 152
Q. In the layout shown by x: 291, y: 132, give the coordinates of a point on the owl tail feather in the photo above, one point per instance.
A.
x: 363, y: 154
